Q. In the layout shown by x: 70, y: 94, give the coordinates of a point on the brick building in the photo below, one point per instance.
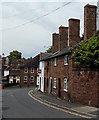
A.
x: 61, y: 77
x: 28, y: 71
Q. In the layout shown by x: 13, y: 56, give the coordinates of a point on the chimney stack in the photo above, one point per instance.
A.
x: 89, y: 21
x: 55, y: 44
x: 73, y: 32
x: 63, y: 37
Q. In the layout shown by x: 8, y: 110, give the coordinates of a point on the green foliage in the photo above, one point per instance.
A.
x: 49, y: 49
x: 87, y: 54
x: 14, y: 55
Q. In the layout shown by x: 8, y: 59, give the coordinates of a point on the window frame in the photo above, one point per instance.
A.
x: 54, y: 83
x: 25, y: 69
x: 32, y: 79
x: 32, y: 70
x: 66, y: 60
x: 65, y: 84
x: 26, y: 77
x: 55, y: 61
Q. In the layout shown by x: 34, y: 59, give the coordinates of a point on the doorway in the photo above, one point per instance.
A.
x: 59, y: 87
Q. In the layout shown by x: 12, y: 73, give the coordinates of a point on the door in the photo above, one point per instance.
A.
x: 40, y: 83
x: 59, y: 87
x: 50, y: 85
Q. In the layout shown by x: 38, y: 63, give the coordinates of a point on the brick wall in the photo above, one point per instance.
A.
x: 74, y: 31
x: 55, y: 42
x: 29, y: 74
x: 85, y: 87
x: 63, y: 37
x: 59, y: 72
x: 89, y: 21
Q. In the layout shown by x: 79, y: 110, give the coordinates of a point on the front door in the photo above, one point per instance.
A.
x: 50, y: 85
x: 59, y: 87
x: 40, y: 83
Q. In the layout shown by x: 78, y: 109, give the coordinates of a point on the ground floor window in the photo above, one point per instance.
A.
x: 25, y: 79
x: 65, y: 84
x: 54, y: 85
x: 32, y: 78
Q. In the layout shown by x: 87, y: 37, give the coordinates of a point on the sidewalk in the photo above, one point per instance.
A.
x: 77, y: 108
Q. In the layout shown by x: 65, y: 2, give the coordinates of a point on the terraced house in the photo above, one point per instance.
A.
x: 28, y: 72
x: 61, y: 76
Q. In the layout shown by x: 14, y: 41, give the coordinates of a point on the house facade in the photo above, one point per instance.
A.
x: 28, y: 72
x: 40, y: 78
x: 61, y: 76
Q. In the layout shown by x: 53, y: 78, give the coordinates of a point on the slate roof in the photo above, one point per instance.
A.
x: 62, y: 52
x: 57, y: 54
x: 32, y: 62
x: 15, y: 72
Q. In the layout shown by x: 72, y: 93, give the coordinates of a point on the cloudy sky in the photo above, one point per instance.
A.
x: 28, y: 26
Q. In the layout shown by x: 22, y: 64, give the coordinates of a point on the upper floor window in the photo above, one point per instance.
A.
x: 66, y: 60
x: 55, y: 61
x: 26, y: 70
x: 32, y: 70
x: 65, y: 84
x: 54, y: 85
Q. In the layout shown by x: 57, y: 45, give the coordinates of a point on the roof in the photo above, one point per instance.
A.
x: 15, y: 72
x: 34, y: 62
x: 57, y: 54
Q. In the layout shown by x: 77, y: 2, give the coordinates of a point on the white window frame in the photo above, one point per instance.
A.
x: 54, y: 83
x: 32, y: 70
x: 55, y: 61
x: 65, y: 84
x: 66, y: 60
x: 32, y: 79
x: 25, y: 79
x: 25, y: 70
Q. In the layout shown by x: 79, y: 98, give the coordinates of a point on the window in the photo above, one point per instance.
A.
x: 54, y: 85
x: 25, y: 70
x: 25, y: 78
x: 32, y: 78
x: 32, y: 70
x: 55, y: 61
x: 66, y: 60
x: 65, y: 84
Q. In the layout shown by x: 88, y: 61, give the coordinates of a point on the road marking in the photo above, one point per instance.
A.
x: 67, y: 111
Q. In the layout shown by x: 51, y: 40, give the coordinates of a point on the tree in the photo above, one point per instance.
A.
x: 14, y: 55
x: 49, y: 49
x: 87, y: 54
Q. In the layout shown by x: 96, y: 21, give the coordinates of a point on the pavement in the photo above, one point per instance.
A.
x: 46, y: 99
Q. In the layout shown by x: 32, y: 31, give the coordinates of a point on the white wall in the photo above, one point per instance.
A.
x: 41, y: 75
x: 98, y: 15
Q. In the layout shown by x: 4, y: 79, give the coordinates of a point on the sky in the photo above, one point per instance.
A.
x: 27, y: 26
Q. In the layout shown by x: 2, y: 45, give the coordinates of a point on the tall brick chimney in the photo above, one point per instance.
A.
x: 55, y: 42
x: 73, y: 32
x: 63, y: 37
x: 89, y: 21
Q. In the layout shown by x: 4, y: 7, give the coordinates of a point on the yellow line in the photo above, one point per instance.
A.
x: 67, y: 108
x: 57, y: 107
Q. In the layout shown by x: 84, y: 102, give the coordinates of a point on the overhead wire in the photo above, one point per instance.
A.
x: 30, y: 21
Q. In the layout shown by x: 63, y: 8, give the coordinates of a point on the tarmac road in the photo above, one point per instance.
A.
x: 16, y: 103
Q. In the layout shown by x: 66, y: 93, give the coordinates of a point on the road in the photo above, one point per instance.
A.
x: 17, y: 104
